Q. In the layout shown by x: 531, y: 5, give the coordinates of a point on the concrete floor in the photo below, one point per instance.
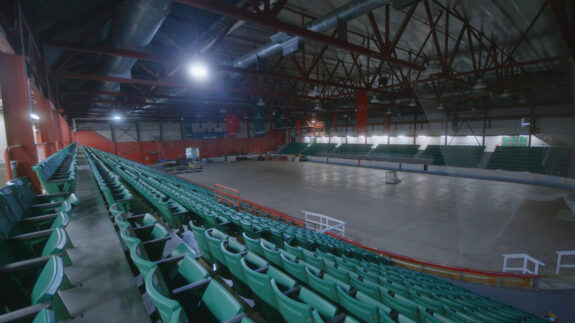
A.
x: 445, y: 220
x: 105, y: 289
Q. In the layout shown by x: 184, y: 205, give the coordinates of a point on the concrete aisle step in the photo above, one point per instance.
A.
x: 104, y: 287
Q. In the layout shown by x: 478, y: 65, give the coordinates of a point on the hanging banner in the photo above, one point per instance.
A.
x: 278, y: 120
x: 333, y: 124
x: 298, y: 128
x: 386, y: 122
x: 361, y: 116
x: 259, y: 121
x: 233, y: 125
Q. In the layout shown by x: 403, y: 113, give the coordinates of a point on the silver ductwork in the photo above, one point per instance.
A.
x: 135, y: 27
x: 284, y: 43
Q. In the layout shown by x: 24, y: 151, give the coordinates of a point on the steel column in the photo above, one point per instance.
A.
x: 16, y: 106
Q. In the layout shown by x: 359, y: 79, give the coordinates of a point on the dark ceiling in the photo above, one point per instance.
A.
x: 432, y: 52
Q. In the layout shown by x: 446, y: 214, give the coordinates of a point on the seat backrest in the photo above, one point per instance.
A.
x: 290, y: 309
x: 169, y: 309
x: 49, y: 281
x: 10, y: 202
x: 192, y: 270
x: 366, y: 311
x: 45, y: 316
x: 141, y: 259
x: 56, y: 242
x: 324, y: 307
x: 220, y: 302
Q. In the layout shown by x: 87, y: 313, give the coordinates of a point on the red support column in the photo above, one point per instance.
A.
x: 45, y: 124
x: 19, y: 131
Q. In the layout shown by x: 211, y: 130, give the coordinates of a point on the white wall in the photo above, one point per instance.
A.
x: 423, y: 141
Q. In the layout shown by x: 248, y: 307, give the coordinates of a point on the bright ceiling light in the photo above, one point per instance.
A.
x: 374, y: 99
x: 117, y: 117
x: 261, y: 103
x: 198, y: 70
x: 34, y: 116
x: 317, y: 107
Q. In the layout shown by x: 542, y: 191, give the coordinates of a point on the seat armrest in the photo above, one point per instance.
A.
x: 155, y: 241
x: 169, y: 260
x: 39, y: 218
x: 24, y: 264
x: 192, y: 286
x: 236, y: 319
x: 31, y: 235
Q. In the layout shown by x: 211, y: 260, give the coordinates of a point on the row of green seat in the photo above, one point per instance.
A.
x: 112, y: 189
x: 57, y: 173
x: 454, y: 155
x: 293, y: 148
x: 318, y: 148
x: 352, y: 149
x: 178, y: 285
x: 33, y: 244
x: 544, y: 160
x: 438, y: 299
x: 171, y: 211
x: 401, y: 151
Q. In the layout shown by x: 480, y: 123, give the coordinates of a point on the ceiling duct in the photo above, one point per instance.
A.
x: 136, y: 26
x: 286, y: 44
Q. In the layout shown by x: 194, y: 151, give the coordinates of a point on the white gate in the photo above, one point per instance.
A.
x: 323, y: 223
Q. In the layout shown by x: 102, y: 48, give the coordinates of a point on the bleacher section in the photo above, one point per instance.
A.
x: 318, y: 148
x: 526, y: 159
x: 352, y: 149
x: 284, y: 269
x: 398, y: 151
x: 293, y: 148
x: 58, y: 172
x: 557, y: 161
x: 33, y: 244
x: 456, y: 155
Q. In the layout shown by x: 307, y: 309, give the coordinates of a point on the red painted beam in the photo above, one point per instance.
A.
x: 224, y: 9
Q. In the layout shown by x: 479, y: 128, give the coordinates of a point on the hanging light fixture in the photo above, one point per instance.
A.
x: 441, y: 107
x: 261, y: 103
x: 388, y: 111
x: 317, y: 107
x: 412, y: 103
x: 374, y: 100
x: 505, y: 93
x: 433, y: 68
x: 522, y: 99
x: 479, y: 85
x: 314, y: 93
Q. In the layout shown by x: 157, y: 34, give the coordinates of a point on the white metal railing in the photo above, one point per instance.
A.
x: 560, y: 255
x: 525, y: 267
x: 323, y: 223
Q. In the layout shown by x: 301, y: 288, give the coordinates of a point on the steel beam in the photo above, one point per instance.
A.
x: 224, y: 9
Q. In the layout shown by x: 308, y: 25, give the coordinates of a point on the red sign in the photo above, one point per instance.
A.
x: 298, y: 128
x: 361, y: 116
x: 233, y: 125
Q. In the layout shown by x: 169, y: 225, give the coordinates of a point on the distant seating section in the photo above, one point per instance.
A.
x: 33, y: 244
x: 352, y: 149
x: 317, y: 148
x: 405, y: 151
x: 58, y: 172
x: 284, y: 269
x: 454, y: 155
x: 545, y: 160
x: 557, y: 161
x: 293, y: 148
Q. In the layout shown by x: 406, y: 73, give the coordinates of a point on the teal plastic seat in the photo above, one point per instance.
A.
x: 169, y: 309
x: 291, y: 265
x: 199, y: 236
x: 49, y: 282
x: 271, y: 252
x: 253, y: 244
